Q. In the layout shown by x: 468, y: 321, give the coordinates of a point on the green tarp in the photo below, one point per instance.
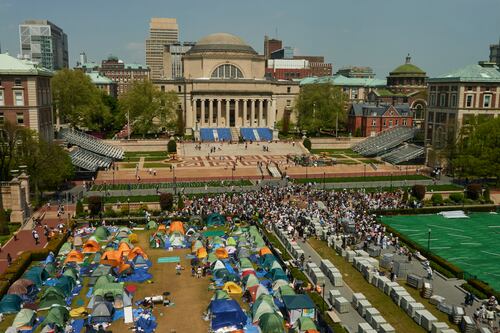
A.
x: 215, y: 220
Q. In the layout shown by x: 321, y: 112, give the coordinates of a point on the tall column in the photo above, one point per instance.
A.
x: 272, y: 114
x: 236, y: 111
x: 219, y: 113
x: 227, y: 111
x: 245, y: 102
x: 261, y: 110
x: 202, y: 122
x: 252, y: 113
x: 195, y: 114
x: 210, y: 113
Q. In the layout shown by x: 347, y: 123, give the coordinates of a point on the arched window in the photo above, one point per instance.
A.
x: 227, y: 71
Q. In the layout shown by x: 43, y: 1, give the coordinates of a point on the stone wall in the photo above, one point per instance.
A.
x: 15, y: 196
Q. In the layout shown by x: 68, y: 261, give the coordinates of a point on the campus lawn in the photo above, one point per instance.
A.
x: 12, y: 228
x: 361, y: 179
x: 383, y: 303
x: 347, y: 152
x: 135, y: 154
x: 214, y: 183
x: 148, y: 165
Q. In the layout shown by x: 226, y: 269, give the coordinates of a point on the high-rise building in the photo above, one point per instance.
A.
x: 495, y: 53
x: 172, y: 59
x: 271, y: 45
x: 44, y: 43
x: 162, y: 32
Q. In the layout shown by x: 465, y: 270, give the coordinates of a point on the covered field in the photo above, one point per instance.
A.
x: 471, y: 243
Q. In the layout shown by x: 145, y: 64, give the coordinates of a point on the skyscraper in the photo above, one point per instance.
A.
x: 162, y: 32
x: 495, y: 53
x: 45, y: 43
x: 172, y: 59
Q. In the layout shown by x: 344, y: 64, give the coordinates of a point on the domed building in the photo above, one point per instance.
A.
x: 224, y: 86
x: 406, y: 78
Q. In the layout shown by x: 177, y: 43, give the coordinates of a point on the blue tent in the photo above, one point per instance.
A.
x: 10, y: 303
x: 227, y: 313
x: 36, y: 274
x: 50, y: 258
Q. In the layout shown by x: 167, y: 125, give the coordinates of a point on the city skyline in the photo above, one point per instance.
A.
x: 378, y: 34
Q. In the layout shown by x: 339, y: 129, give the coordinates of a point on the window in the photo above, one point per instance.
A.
x: 453, y: 100
x: 468, y: 101
x: 288, y: 90
x: 385, y: 123
x: 1, y: 98
x: 486, y: 101
x: 442, y: 100
x: 390, y: 123
x: 17, y: 82
x: 179, y: 88
x: 227, y: 71
x: 2, y: 119
x: 18, y: 98
x: 162, y: 88
x: 374, y: 122
x: 20, y: 118
x: 288, y: 102
x: 354, y: 93
x: 433, y: 100
x: 397, y: 122
x: 404, y: 122
x: 469, y: 88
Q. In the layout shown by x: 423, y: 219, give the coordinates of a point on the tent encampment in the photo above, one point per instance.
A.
x: 137, y: 251
x: 123, y: 232
x: 232, y: 288
x: 101, y: 233
x: 91, y: 246
x: 77, y: 241
x: 226, y: 313
x: 65, y: 249
x: 298, y: 306
x: 305, y: 324
x: 22, y: 287
x: 157, y: 240
x: 215, y: 220
x: 58, y: 316
x: 272, y: 323
x: 111, y: 258
x: 25, y: 318
x: 10, y: 303
x: 221, y: 253
x: 221, y: 294
x: 177, y: 226
x: 74, y: 256
x: 201, y: 253
x: 151, y: 225
x: 36, y: 274
x: 196, y: 245
x: 102, y: 313
x: 176, y: 239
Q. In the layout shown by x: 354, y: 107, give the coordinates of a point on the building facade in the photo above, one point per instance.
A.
x: 495, y: 53
x: 104, y: 84
x: 361, y: 72
x: 288, y: 69
x: 271, y: 45
x: 123, y: 74
x: 366, y: 119
x: 457, y: 97
x: 172, y: 59
x: 224, y: 85
x: 162, y: 32
x: 25, y: 95
x: 44, y: 43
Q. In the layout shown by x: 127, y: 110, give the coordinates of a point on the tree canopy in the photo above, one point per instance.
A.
x: 477, y: 152
x: 79, y: 102
x: 150, y: 109
x: 318, y: 106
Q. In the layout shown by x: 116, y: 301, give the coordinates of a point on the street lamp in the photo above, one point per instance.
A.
x: 128, y: 208
x: 429, y: 241
x: 323, y: 291
x: 391, y: 181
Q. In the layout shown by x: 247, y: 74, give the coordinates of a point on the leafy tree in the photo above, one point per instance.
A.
x: 172, y: 146
x: 10, y: 137
x: 95, y: 205
x: 319, y: 106
x: 150, y: 109
x: 79, y: 208
x: 437, y: 199
x: 4, y: 226
x: 166, y: 201
x: 307, y: 143
x: 418, y: 191
x: 78, y: 101
x: 118, y: 119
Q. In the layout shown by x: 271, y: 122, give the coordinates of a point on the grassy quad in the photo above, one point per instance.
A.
x: 143, y: 186
x: 361, y: 179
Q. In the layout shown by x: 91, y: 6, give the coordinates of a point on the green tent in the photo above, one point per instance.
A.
x: 36, y: 274
x: 215, y: 220
x: 286, y: 291
x: 245, y: 263
x: 151, y: 225
x: 221, y: 294
x: 231, y: 241
x: 66, y: 284
x: 52, y: 290
x: 101, y: 234
x: 271, y: 323
x: 65, y: 249
x: 109, y: 288
x: 197, y: 244
x: 51, y: 299
x: 250, y: 280
x: 261, y: 309
x: 71, y: 272
x: 103, y: 280
x: 157, y: 241
x: 264, y: 298
x: 25, y: 317
x: 212, y: 257
x: 306, y: 323
x: 267, y: 261
x: 50, y: 268
x: 58, y: 315
x: 10, y: 303
x: 278, y: 274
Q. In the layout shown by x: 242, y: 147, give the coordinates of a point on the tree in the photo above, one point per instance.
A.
x: 150, y: 109
x: 95, y: 205
x: 320, y: 106
x: 418, y: 191
x: 307, y: 143
x: 78, y: 101
x: 172, y: 146
x: 166, y: 201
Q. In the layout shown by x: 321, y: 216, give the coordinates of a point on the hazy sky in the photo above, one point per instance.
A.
x: 441, y: 35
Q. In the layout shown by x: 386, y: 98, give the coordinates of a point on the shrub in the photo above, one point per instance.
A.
x: 79, y: 208
x: 166, y: 201
x: 483, y: 287
x: 486, y: 195
x: 418, y: 191
x: 180, y: 203
x: 124, y: 210
x: 109, y: 212
x: 437, y: 199
x: 473, y: 191
x: 405, y: 196
x: 457, y: 197
x: 172, y: 146
x: 357, y: 132
x: 474, y: 291
x: 307, y: 143
x: 95, y: 205
x: 4, y: 226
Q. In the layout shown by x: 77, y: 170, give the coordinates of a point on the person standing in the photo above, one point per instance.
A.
x: 9, y: 259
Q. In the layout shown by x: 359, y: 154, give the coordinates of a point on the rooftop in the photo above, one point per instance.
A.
x: 340, y: 80
x: 221, y: 42
x: 407, y: 68
x: 471, y: 73
x: 97, y: 78
x: 12, y: 65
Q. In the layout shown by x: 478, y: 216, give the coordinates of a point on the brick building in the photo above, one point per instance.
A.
x: 366, y: 119
x: 288, y: 69
x: 25, y: 95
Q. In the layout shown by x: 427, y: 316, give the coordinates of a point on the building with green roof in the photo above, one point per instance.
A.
x: 25, y: 95
x: 457, y: 97
x: 103, y: 83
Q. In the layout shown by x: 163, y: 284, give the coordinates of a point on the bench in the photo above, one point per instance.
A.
x: 333, y: 316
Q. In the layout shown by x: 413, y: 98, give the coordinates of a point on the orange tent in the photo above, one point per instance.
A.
x: 201, y: 253
x: 91, y: 246
x: 74, y: 256
x: 162, y: 228
x: 177, y: 226
x: 137, y: 251
x: 123, y: 267
x: 221, y: 253
x: 112, y: 258
x: 264, y: 250
x: 124, y: 248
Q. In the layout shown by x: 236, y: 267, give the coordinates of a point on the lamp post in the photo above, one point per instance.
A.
x: 391, y: 181
x: 323, y: 291
x: 306, y: 169
x: 429, y: 240
x: 324, y: 174
x: 128, y: 208
x: 174, y: 179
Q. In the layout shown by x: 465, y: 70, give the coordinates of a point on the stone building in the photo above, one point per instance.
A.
x: 224, y: 86
x: 15, y: 197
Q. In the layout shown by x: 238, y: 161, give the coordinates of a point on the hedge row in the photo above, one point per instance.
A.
x: 433, y: 210
x: 483, y: 287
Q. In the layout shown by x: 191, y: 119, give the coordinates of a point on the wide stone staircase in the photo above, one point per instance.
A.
x: 235, y: 134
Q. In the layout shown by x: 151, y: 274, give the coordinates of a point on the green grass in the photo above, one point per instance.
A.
x: 155, y: 158
x: 347, y: 152
x: 145, y: 186
x: 12, y: 228
x: 361, y: 179
x: 128, y: 165
x: 347, y: 162
x: 371, y: 160
x: 383, y: 303
x: 156, y: 165
x: 135, y: 154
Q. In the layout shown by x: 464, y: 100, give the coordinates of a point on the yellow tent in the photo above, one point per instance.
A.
x: 133, y: 238
x: 201, y: 253
x: 232, y: 288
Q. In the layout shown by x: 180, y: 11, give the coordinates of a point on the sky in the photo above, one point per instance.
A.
x: 440, y: 35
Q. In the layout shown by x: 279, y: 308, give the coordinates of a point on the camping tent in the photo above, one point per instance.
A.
x: 217, y: 265
x: 124, y: 269
x: 221, y: 253
x: 176, y: 239
x: 91, y: 246
x: 65, y: 284
x: 196, y: 245
x: 298, y: 306
x: 285, y: 290
x: 232, y: 288
x: 258, y: 309
x: 151, y: 225
x: 102, y: 313
x: 10, y: 303
x: 74, y: 256
x: 278, y: 283
x: 157, y: 240
x: 111, y: 258
x: 231, y: 241
x: 201, y: 253
x: 245, y: 263
x: 65, y: 249
x: 58, y: 316
x: 278, y: 274
x: 140, y: 261
x: 305, y: 324
x: 36, y: 274
x: 162, y: 228
x: 124, y: 248
x: 250, y: 281
x: 243, y: 253
x: 22, y: 287
x: 25, y: 318
x: 264, y: 250
x: 51, y: 296
x: 123, y: 232
x: 77, y: 241
x: 103, y: 280
x: 177, y: 226
x: 215, y: 220
x: 221, y: 294
x: 71, y: 272
x: 133, y: 238
x: 226, y: 313
x: 101, y: 233
x: 271, y: 323
x: 137, y: 251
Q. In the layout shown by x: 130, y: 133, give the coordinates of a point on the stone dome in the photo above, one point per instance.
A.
x: 221, y: 42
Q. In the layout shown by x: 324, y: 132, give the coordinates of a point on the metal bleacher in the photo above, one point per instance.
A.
x: 384, y: 141
x: 404, y: 153
x: 215, y: 134
x: 91, y: 143
x: 87, y: 160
